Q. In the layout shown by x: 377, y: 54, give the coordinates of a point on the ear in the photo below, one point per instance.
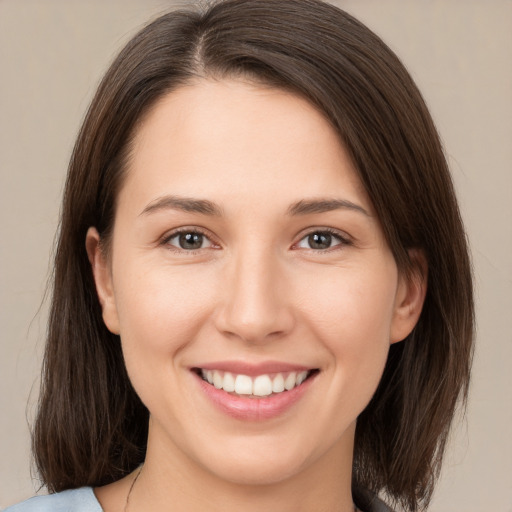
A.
x: 103, y: 279
x: 410, y: 297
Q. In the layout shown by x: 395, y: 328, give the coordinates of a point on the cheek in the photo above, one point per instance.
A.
x: 351, y: 315
x: 160, y: 311
x: 352, y: 303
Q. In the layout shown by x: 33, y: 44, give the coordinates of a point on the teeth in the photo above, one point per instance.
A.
x: 218, y: 381
x: 290, y: 381
x: 301, y: 377
x: 262, y: 385
x: 243, y: 385
x: 278, y: 384
x: 229, y: 383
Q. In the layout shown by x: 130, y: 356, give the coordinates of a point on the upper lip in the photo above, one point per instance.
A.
x: 253, y: 369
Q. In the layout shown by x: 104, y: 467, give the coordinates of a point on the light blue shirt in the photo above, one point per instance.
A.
x: 74, y: 500
x: 84, y: 500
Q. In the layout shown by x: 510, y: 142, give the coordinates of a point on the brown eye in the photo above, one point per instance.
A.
x: 320, y: 240
x: 189, y: 241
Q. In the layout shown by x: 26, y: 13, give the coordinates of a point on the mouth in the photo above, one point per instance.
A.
x: 254, y: 391
x: 260, y: 386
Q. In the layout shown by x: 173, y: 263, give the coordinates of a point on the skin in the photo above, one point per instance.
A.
x: 255, y: 291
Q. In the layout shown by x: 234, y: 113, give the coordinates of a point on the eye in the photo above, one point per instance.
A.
x: 189, y: 240
x: 321, y: 240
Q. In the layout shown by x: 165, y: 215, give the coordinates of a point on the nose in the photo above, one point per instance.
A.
x: 255, y: 306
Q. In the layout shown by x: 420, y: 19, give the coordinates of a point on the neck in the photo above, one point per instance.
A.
x: 170, y: 480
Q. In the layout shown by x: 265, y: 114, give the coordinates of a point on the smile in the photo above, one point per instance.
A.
x: 254, y: 393
x: 258, y: 386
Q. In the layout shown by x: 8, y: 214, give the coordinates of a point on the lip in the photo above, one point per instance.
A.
x: 253, y: 369
x: 253, y: 409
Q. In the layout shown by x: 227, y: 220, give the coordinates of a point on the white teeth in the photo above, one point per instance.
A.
x: 229, y: 382
x: 301, y: 377
x: 243, y: 385
x: 278, y: 383
x: 262, y: 385
x: 217, y: 379
x: 289, y: 382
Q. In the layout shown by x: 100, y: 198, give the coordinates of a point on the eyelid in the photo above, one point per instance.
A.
x: 164, y: 240
x: 343, y: 237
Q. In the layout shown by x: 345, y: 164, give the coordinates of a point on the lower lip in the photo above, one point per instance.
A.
x: 254, y: 409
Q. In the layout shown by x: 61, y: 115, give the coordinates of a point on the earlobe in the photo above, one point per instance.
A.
x: 103, y: 280
x: 410, y: 297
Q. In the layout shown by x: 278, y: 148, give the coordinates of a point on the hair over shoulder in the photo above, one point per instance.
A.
x: 91, y: 427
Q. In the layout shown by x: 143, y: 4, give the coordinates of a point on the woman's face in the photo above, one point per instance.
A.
x: 246, y: 257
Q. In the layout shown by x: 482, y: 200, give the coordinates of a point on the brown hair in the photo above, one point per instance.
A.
x: 91, y: 427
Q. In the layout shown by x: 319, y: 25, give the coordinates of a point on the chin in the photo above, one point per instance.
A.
x: 259, y: 473
x: 259, y: 459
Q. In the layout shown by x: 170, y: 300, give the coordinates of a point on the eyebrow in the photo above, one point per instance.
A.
x: 185, y: 204
x: 307, y: 207
x: 205, y: 207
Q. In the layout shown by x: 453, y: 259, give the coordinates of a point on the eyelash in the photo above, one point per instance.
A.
x: 343, y: 239
x: 185, y: 230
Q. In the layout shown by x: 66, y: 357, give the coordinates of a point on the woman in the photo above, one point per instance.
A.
x: 262, y: 295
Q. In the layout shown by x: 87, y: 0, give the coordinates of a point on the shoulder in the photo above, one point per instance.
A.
x: 366, y: 501
x: 378, y: 505
x: 73, y: 500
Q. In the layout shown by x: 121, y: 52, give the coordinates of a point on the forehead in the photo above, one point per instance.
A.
x: 232, y: 138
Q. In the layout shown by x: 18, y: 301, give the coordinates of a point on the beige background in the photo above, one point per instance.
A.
x: 52, y: 54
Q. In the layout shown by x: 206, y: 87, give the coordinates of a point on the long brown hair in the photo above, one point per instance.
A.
x: 91, y: 428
